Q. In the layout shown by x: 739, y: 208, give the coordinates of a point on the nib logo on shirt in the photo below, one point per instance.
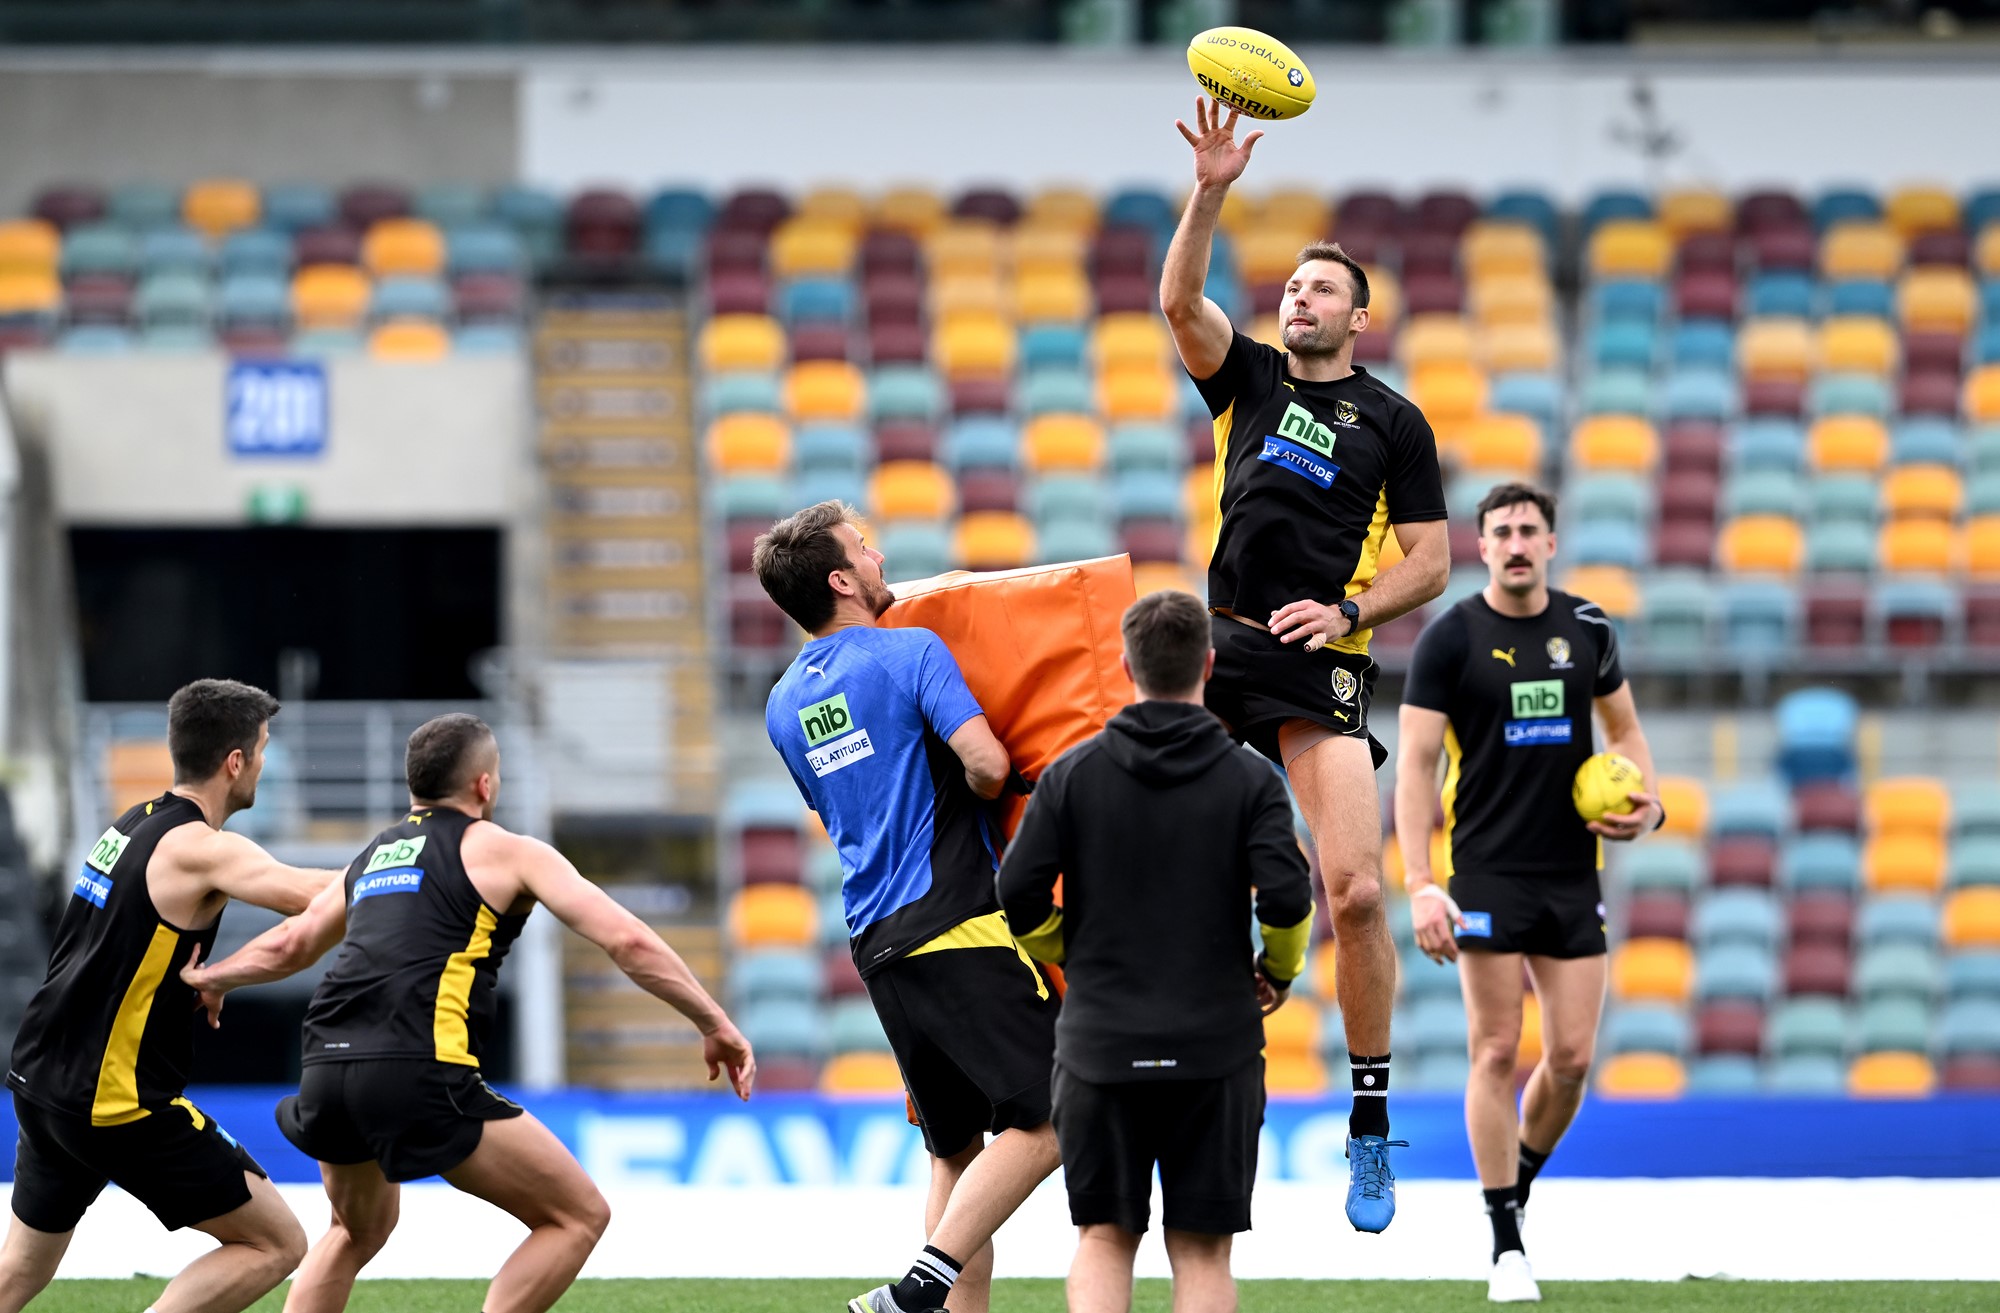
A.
x: 832, y: 740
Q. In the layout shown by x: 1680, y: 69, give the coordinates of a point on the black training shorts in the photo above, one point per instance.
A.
x: 1542, y: 915
x: 1261, y: 681
x: 974, y: 1032
x: 413, y: 1116
x: 175, y: 1160
x: 1201, y: 1133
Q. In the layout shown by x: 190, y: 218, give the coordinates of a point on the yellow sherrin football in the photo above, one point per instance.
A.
x: 1245, y: 69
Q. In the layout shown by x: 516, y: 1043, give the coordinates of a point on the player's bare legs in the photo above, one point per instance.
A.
x: 1493, y: 998
x: 975, y: 1280
x: 1335, y: 784
x: 261, y: 1243
x: 365, y: 1208
x: 1202, y: 1283
x: 523, y: 1168
x: 1100, y: 1276
x: 1571, y: 991
x: 991, y: 1187
x: 28, y: 1262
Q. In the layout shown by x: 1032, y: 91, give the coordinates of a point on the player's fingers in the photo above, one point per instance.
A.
x: 1250, y: 141
x: 1234, y: 114
x: 1191, y: 140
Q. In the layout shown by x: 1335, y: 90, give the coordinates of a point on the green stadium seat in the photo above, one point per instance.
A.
x: 733, y: 393
x: 325, y: 342
x: 905, y: 392
x: 1974, y: 860
x: 1893, y: 1025
x: 915, y: 551
x: 173, y: 298
x: 450, y: 204
x: 773, y: 973
x: 143, y: 205
x: 1075, y: 540
x: 1850, y: 394
x: 1799, y: 1026
x: 1898, y: 971
x: 1054, y: 346
x: 1616, y: 392
x: 1762, y: 492
x: 1662, y: 865
x: 100, y: 249
x: 1068, y: 499
x: 1147, y: 447
x: 1848, y: 498
x: 1620, y: 497
x: 1051, y: 391
x: 1840, y: 547
x: 1982, y: 449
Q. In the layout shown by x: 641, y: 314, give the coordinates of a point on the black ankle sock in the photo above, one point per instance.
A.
x: 1371, y: 1095
x: 929, y: 1280
x: 1503, y: 1209
x: 1530, y: 1167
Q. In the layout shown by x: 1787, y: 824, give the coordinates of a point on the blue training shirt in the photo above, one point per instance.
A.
x: 861, y: 718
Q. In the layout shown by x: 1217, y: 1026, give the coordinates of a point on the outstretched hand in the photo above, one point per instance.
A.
x: 208, y: 999
x: 1623, y: 827
x: 1218, y: 159
x: 726, y: 1049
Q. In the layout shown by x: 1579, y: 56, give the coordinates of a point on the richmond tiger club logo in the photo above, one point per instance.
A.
x: 1559, y: 654
x: 1345, y: 411
x: 1344, y: 684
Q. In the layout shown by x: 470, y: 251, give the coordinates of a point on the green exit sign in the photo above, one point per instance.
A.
x: 276, y: 503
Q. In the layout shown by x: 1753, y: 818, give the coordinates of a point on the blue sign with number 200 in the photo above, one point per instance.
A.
x: 276, y: 408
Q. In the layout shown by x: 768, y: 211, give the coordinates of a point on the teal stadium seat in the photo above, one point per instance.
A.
x: 816, y: 300
x: 1815, y: 1074
x: 1972, y: 974
x: 1850, y: 394
x: 1736, y: 971
x: 854, y: 1027
x: 1464, y: 492
x: 1767, y: 444
x: 1614, y: 203
x: 1783, y: 294
x: 1724, y: 1075
x: 830, y: 446
x: 1054, y: 346
x: 450, y: 204
x: 1869, y: 298
x: 830, y: 483
x: 488, y: 339
x: 1970, y: 1025
x: 1461, y: 583
x: 1622, y: 344
x: 750, y: 497
x: 1898, y: 971
x: 1139, y: 207
x: 1617, y: 392
x: 96, y: 340
x: 1974, y: 861
x: 1738, y: 916
x: 1760, y: 807
x: 737, y: 392
x: 832, y: 920
x: 1617, y: 497
x: 1075, y: 540
x: 683, y: 209
x: 785, y: 1028
x: 1606, y: 542
x: 1423, y: 978
x: 143, y: 205
x: 1662, y: 865
x: 1147, y: 447
x: 173, y: 298
x: 535, y: 215
x: 1332, y: 1037
x: 981, y: 442
x: 1807, y: 1026
x: 1926, y: 440
x: 1816, y: 730
x: 175, y: 250
x: 1846, y: 498
x: 1626, y: 299
x: 1893, y: 1025
x: 823, y: 873
x: 99, y: 249
x: 1840, y: 547
x: 175, y: 338
x: 1533, y: 208
x: 1982, y: 493
x: 1759, y: 616
x: 404, y: 295
x: 915, y: 551
x: 1897, y: 919
x: 1705, y: 345
x: 1982, y: 444
x: 1819, y: 862
x: 1440, y: 1073
x: 1704, y: 392
x: 1434, y: 1023
x: 1844, y: 204
x: 292, y: 207
x: 1934, y: 601
x: 1146, y: 495
x: 1402, y: 929
x: 1538, y: 396
x: 905, y: 392
x: 484, y: 248
x: 1975, y: 809
x: 255, y: 251
x: 1677, y: 610
x: 1648, y: 1028
x: 1054, y: 391
x: 774, y: 973
x: 321, y: 343
x: 677, y: 250
x: 1068, y: 499
x: 1762, y: 492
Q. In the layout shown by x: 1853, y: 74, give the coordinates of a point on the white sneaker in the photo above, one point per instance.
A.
x: 1512, y: 1281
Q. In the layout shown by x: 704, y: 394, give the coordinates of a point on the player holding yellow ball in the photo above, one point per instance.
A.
x: 1504, y: 685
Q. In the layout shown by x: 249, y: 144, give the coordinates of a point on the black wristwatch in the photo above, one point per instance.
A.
x: 1349, y: 608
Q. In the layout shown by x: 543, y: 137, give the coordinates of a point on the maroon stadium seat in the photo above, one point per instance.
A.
x: 1400, y: 634
x: 897, y: 344
x: 1377, y: 346
x: 843, y: 978
x: 1817, y: 969
x: 481, y: 298
x: 906, y: 439
x: 1462, y: 537
x: 892, y: 298
x: 1972, y: 1071
x: 739, y: 292
x: 735, y: 249
x: 1774, y: 396
x: 1656, y: 916
x: 1707, y: 252
x: 1775, y: 250
x: 1449, y: 212
x: 371, y: 202
x: 1743, y: 859
x: 1945, y: 246
x: 1151, y: 540
x: 67, y: 204
x: 98, y: 299
x: 1705, y: 294
x: 326, y: 246
x: 1367, y: 245
x: 602, y: 222
x: 1820, y: 918
x: 1265, y: 297
x: 739, y: 537
x: 1836, y: 612
x: 1929, y: 393
x: 1429, y: 252
x: 755, y: 620
x: 981, y: 396
x: 1126, y: 294
x: 1934, y: 353
x: 1760, y: 210
x: 1982, y: 615
x: 1200, y: 434
x: 771, y: 855
x: 820, y: 341
x: 1122, y: 250
x: 1371, y: 209
x: 1688, y: 543
x: 1826, y: 806
x: 1729, y: 1026
x: 1689, y: 495
x: 887, y: 250
x: 254, y: 341
x: 1691, y: 445
x: 989, y: 490
x: 1434, y: 292
x: 788, y: 1075
x: 757, y: 208
x: 994, y: 203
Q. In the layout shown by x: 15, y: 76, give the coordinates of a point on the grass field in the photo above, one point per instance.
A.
x: 1047, y: 1296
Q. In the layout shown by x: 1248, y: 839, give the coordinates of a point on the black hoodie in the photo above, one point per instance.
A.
x: 1164, y: 832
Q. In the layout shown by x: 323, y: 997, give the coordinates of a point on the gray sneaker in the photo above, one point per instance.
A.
x: 882, y: 1299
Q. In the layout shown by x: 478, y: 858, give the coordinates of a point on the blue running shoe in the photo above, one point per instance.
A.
x: 1371, y: 1186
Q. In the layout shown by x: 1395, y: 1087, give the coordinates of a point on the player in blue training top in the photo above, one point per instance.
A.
x: 888, y: 745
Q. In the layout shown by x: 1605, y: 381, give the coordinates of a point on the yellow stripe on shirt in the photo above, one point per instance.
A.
x: 1365, y: 569
x: 1449, y: 795
x: 989, y: 931
x: 117, y: 1099
x: 1222, y: 425
x: 449, y: 1029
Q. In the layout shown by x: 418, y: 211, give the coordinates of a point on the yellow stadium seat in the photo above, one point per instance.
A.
x: 1891, y: 1076
x: 1270, y: 255
x: 1199, y: 546
x: 1528, y: 1050
x: 1298, y: 1033
x: 869, y: 1075
x: 803, y: 248
x: 1448, y: 392
x: 1040, y: 250
x: 1321, y: 970
x: 1652, y: 970
x: 403, y: 246
x: 220, y: 205
x: 136, y: 770
x: 1267, y: 330
x: 969, y: 294
x: 749, y: 442
x: 1436, y: 339
x: 408, y: 338
x: 1385, y: 299
x: 1052, y: 298
x: 1762, y: 544
x: 1161, y: 577
x: 1986, y: 251
x: 1642, y: 1076
x: 1913, y: 210
x: 1982, y: 394
x: 994, y: 540
x: 1615, y: 442
x: 742, y: 342
x: 25, y: 293
x: 1137, y: 392
x: 1972, y: 918
x: 1686, y: 801
x: 1689, y: 210
x: 1130, y: 339
x: 1533, y: 348
x: 329, y: 296
x: 1063, y: 442
x: 1923, y: 490
x: 1903, y: 861
x: 1295, y: 1074
x: 1298, y: 208
x: 1861, y: 250
x: 1509, y: 443
x: 1920, y: 546
x: 964, y: 246
x: 1981, y: 547
x: 1857, y: 344
x: 1774, y: 348
x: 1198, y: 494
x: 1848, y: 443
x: 825, y: 390
x: 918, y: 211
x: 1631, y: 248
x: 910, y: 490
x: 842, y: 207
x: 772, y: 916
x: 29, y: 246
x: 1061, y: 207
x: 1512, y: 299
x: 1908, y: 804
x: 1612, y: 587
x: 971, y: 344
x: 1241, y: 211
x: 1936, y: 301
x: 1493, y: 250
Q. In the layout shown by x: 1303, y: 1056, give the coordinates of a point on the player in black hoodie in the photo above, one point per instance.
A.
x: 1164, y: 834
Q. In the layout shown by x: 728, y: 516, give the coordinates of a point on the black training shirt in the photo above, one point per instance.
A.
x: 1308, y: 479
x: 1517, y: 694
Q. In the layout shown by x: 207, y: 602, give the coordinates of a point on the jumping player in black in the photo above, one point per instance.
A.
x: 392, y: 1089
x: 1504, y: 685
x: 103, y: 1055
